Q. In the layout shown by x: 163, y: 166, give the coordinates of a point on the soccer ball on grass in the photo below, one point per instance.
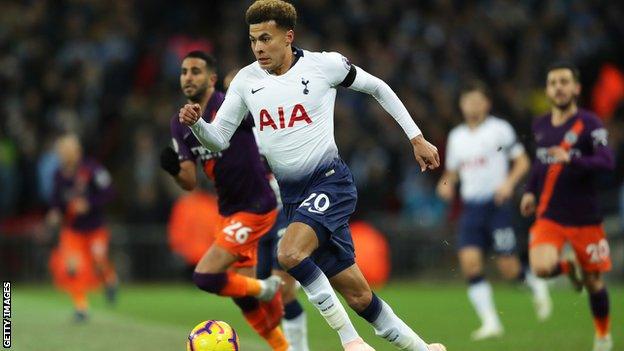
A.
x: 212, y: 336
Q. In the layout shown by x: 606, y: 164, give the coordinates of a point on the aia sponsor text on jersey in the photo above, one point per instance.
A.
x: 298, y: 114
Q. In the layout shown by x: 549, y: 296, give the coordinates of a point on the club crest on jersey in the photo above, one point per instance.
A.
x: 298, y: 114
x: 305, y: 86
x: 570, y: 137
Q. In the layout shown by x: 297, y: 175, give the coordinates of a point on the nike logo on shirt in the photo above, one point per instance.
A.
x: 257, y: 90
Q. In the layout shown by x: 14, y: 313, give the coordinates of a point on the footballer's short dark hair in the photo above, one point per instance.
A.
x: 576, y: 73
x: 282, y: 12
x: 475, y: 85
x: 211, y: 62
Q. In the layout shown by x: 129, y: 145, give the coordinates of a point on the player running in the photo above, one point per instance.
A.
x: 294, y: 322
x: 571, y: 151
x: 291, y: 93
x: 478, y: 153
x: 247, y: 204
x: 80, y: 262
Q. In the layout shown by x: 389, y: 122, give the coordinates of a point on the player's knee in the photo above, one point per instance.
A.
x: 593, y: 283
x: 510, y: 271
x: 71, y: 266
x: 210, y: 282
x: 289, y: 258
x: 359, y: 300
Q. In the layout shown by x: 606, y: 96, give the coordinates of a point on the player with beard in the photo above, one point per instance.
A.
x: 247, y: 204
x: 571, y: 151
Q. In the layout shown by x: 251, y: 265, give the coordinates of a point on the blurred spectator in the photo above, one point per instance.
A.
x: 101, y: 68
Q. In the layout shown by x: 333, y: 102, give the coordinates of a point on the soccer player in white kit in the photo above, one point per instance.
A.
x: 478, y: 154
x: 291, y: 93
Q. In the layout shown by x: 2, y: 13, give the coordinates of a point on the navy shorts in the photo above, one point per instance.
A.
x: 486, y: 225
x: 328, y: 204
x: 267, y: 247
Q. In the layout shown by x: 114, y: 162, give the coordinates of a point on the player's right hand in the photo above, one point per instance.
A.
x: 190, y: 114
x: 169, y: 161
x: 426, y: 153
x: 527, y: 204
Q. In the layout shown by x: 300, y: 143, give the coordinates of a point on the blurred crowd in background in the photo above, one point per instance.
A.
x: 109, y: 71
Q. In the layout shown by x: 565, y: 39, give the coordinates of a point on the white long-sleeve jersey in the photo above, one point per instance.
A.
x: 294, y: 114
x: 481, y: 156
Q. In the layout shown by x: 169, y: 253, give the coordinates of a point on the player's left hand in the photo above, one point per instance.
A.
x: 559, y: 154
x: 426, y: 153
x: 503, y: 193
x: 190, y: 114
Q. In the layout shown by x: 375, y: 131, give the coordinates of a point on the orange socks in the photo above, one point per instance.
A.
x: 227, y: 284
x: 599, y: 305
x: 267, y: 327
x: 79, y: 297
x: 265, y: 318
x: 238, y: 285
x: 276, y: 339
x: 602, y: 325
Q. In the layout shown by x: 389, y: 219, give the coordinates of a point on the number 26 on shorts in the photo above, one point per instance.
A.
x: 236, y: 232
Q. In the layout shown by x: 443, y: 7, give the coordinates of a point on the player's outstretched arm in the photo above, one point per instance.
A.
x: 215, y: 136
x: 425, y: 153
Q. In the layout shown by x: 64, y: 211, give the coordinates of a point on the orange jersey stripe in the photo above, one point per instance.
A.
x: 209, y: 168
x: 554, y: 171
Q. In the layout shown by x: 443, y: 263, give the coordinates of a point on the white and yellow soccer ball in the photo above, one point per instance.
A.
x: 212, y: 336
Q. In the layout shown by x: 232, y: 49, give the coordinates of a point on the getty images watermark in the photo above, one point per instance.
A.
x: 6, y: 315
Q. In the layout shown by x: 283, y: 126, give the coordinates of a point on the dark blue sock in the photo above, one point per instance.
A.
x: 371, y: 312
x: 599, y: 303
x: 476, y: 279
x: 522, y: 275
x: 292, y: 310
x: 266, y: 257
x: 305, y: 272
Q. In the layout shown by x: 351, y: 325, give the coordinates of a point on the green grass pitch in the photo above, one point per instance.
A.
x: 158, y: 317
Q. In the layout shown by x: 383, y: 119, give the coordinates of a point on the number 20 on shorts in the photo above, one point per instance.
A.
x: 316, y: 203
